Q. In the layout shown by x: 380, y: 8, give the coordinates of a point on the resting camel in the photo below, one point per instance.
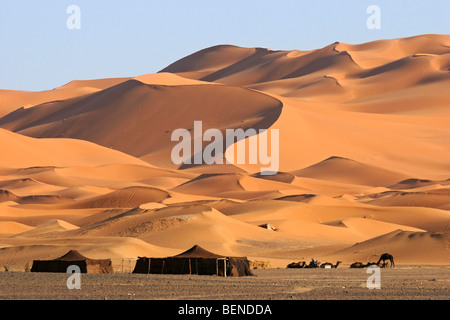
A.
x: 362, y: 265
x: 299, y: 264
x: 357, y: 265
x: 313, y: 264
x: 384, y: 257
x: 323, y: 265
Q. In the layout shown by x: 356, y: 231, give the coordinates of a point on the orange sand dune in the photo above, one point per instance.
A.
x: 433, y: 198
x: 158, y: 78
x: 118, y: 172
x: 380, y: 52
x: 124, y: 198
x: 364, y: 163
x: 208, y: 184
x: 46, y: 228
x: 429, y: 219
x: 309, y: 135
x: 12, y: 100
x: 341, y: 70
x: 29, y: 152
x: 262, y: 65
x: 10, y: 228
x: 167, y: 79
x: 142, y: 111
x: 185, y: 225
x: 349, y: 171
x: 407, y: 247
x: 417, y: 183
x: 94, y: 83
x: 207, y: 61
x: 23, y: 187
x: 33, y: 216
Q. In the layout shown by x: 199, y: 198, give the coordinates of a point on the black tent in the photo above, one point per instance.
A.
x: 73, y: 257
x: 196, y: 260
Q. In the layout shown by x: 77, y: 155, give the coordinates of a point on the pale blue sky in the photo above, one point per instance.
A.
x: 130, y: 38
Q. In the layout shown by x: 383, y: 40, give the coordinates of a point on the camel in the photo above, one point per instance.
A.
x: 334, y: 266
x: 362, y: 265
x: 384, y: 257
x: 313, y: 264
x: 300, y: 264
x: 357, y: 265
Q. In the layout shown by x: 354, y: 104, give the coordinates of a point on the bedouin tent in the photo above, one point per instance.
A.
x: 196, y: 260
x: 73, y: 257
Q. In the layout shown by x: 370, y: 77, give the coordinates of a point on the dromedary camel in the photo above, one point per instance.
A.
x: 357, y: 265
x: 297, y: 265
x: 325, y: 264
x: 362, y: 265
x: 384, y: 257
x: 313, y: 264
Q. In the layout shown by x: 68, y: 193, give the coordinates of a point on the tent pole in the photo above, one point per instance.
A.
x: 190, y: 268
x: 225, y: 268
x: 149, y: 261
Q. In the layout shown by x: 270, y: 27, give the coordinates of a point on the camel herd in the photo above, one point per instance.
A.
x: 384, y: 260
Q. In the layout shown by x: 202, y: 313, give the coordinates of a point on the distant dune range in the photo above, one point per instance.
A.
x: 364, y: 158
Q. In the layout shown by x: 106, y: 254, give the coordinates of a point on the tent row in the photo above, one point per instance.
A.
x: 196, y: 260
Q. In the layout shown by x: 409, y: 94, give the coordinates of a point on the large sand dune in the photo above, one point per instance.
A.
x: 364, y: 158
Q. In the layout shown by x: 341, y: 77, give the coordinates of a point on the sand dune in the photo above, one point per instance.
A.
x: 46, y: 228
x: 428, y: 219
x: 349, y: 171
x: 417, y: 183
x: 6, y: 195
x: 26, y: 152
x: 432, y: 199
x: 207, y: 61
x: 339, y: 139
x: 124, y: 198
x: 141, y: 111
x: 208, y: 184
x: 350, y: 68
x: 118, y: 172
x: 168, y: 79
x: 10, y: 228
x: 23, y: 187
x: 364, y: 160
x: 13, y: 100
x: 407, y: 247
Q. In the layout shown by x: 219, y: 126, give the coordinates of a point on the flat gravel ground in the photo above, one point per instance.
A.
x: 404, y: 282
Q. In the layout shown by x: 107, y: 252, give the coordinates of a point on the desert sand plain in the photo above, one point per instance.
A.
x: 364, y: 159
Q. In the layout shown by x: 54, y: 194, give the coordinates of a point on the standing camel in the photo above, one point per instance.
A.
x: 384, y: 257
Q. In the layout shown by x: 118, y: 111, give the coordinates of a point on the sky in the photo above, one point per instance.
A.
x: 38, y: 51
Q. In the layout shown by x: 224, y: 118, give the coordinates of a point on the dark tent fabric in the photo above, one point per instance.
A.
x: 196, y: 260
x: 198, y: 252
x: 73, y: 257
